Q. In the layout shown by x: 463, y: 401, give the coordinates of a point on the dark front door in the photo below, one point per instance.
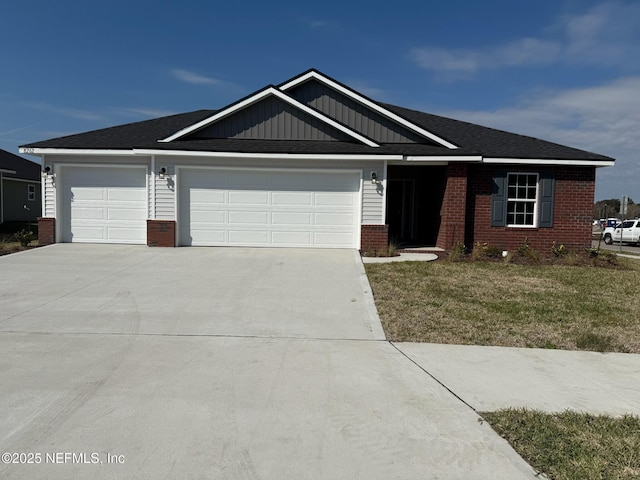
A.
x: 401, y: 209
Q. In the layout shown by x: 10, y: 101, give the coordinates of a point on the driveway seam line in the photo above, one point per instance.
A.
x: 434, y: 377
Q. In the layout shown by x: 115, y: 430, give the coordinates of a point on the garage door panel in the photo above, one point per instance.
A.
x: 132, y: 214
x: 248, y: 217
x: 103, y: 205
x: 207, y: 196
x: 80, y: 194
x: 291, y: 218
x: 203, y: 217
x: 248, y: 197
x: 248, y: 237
x: 268, y: 208
x: 291, y: 239
x: 333, y: 219
x: 332, y: 239
x: 292, y: 198
x: 124, y: 195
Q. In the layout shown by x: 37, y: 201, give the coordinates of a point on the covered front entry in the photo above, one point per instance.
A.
x: 269, y: 207
x: 414, y: 200
x: 103, y: 204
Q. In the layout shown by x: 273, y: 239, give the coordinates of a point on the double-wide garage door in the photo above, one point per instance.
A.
x: 103, y: 205
x: 286, y: 208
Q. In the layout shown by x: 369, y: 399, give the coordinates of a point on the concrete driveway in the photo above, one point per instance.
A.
x: 131, y: 362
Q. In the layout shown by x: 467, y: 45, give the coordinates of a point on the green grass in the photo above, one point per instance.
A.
x: 505, y: 304
x: 570, y: 445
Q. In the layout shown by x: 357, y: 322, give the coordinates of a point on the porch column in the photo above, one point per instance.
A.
x: 454, y: 205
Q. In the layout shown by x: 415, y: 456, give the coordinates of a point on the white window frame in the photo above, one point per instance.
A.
x: 534, y: 201
x: 31, y: 193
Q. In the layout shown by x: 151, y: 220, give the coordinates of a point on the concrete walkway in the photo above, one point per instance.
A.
x: 491, y: 378
x: 232, y: 363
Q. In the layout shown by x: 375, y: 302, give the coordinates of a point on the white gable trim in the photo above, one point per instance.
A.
x: 365, y: 101
x: 261, y: 95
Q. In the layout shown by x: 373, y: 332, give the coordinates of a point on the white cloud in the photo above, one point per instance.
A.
x: 190, y: 77
x: 142, y: 112
x: 604, y: 119
x: 606, y: 35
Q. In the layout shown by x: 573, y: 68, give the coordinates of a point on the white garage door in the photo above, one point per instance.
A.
x: 103, y: 205
x: 269, y: 208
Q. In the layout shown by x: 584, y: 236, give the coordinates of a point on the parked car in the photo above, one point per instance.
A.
x: 627, y: 231
x: 609, y: 222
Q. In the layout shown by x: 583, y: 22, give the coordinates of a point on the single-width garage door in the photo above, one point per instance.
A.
x: 103, y: 205
x: 277, y: 208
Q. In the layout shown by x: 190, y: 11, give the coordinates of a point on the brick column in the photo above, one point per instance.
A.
x: 454, y: 206
x: 161, y: 233
x: 46, y: 230
x: 374, y: 237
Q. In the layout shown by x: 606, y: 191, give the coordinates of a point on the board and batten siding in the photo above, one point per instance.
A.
x: 356, y: 116
x: 272, y: 119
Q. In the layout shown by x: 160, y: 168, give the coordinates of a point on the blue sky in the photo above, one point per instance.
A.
x: 566, y: 71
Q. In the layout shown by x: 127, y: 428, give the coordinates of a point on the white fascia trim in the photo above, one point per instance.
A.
x: 282, y: 96
x: 444, y: 158
x: 74, y: 151
x: 360, y: 99
x: 539, y: 161
x: 286, y: 156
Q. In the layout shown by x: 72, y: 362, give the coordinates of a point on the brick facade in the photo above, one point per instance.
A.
x: 46, y: 230
x: 572, y: 212
x: 454, y: 207
x: 374, y: 237
x: 161, y: 233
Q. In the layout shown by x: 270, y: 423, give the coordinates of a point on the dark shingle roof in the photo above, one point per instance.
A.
x: 470, y: 138
x: 25, y: 169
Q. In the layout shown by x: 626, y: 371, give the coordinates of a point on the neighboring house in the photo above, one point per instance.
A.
x: 313, y: 163
x: 20, y: 191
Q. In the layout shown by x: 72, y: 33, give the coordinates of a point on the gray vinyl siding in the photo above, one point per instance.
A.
x: 165, y: 200
x: 15, y: 198
x: 272, y: 119
x: 353, y: 114
x: 49, y: 197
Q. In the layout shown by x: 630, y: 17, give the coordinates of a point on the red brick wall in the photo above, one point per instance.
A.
x: 161, y: 233
x: 572, y: 211
x: 454, y: 206
x: 374, y: 237
x: 46, y: 230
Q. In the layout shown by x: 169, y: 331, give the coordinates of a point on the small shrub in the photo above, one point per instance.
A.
x: 25, y: 237
x: 458, y: 252
x: 559, y: 250
x: 483, y: 251
x: 526, y: 251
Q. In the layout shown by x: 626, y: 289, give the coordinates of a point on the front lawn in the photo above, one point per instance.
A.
x: 506, y: 304
x: 570, y: 445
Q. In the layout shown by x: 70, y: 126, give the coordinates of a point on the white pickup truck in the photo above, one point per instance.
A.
x: 627, y: 232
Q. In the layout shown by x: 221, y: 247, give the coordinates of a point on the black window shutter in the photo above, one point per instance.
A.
x: 547, y: 187
x: 499, y: 201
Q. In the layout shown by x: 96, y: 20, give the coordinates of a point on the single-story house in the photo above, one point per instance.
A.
x: 313, y: 163
x: 20, y: 191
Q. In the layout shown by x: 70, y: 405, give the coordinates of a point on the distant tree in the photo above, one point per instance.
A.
x: 611, y: 208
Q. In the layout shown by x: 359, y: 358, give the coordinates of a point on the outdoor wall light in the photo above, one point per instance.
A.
x: 163, y: 172
x: 374, y: 177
